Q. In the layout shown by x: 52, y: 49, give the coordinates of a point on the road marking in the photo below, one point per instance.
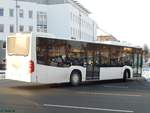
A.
x: 109, y: 94
x: 122, y: 87
x: 87, y: 108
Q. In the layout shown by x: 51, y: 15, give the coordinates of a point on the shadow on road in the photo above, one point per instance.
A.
x: 67, y: 85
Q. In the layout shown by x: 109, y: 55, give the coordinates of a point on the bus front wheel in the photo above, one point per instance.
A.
x: 126, y: 75
x: 75, y: 78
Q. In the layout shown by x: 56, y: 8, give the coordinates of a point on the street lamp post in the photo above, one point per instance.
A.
x: 16, y: 15
x: 80, y: 26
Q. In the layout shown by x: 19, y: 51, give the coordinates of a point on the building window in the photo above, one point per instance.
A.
x: 21, y: 13
x: 1, y: 12
x: 11, y: 28
x: 1, y: 28
x: 21, y: 28
x: 41, y: 22
x: 11, y: 12
x: 30, y: 28
x: 31, y: 14
x: 4, y: 45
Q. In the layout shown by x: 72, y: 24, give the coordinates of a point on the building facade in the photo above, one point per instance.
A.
x: 63, y: 18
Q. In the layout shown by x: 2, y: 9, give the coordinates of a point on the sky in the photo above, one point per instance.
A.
x: 127, y: 20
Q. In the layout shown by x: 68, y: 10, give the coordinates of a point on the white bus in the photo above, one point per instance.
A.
x: 44, y: 58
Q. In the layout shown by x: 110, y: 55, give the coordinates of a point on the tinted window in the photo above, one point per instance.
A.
x: 51, y: 52
x: 128, y: 56
x: 1, y: 28
x: 116, y: 56
x: 11, y: 12
x: 105, y: 55
x: 76, y: 53
x: 30, y: 28
x: 30, y: 14
x: 4, y: 45
x: 11, y: 28
x: 1, y: 12
x: 59, y: 53
x: 21, y: 28
x: 21, y: 13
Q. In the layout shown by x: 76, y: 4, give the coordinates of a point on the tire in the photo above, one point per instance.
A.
x: 75, y: 78
x: 126, y: 75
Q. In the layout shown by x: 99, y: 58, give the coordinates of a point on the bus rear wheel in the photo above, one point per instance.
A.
x: 75, y: 78
x: 126, y: 75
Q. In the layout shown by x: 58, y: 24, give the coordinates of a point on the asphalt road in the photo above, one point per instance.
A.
x: 98, y: 97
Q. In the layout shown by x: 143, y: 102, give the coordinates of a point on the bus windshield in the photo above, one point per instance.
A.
x: 18, y: 46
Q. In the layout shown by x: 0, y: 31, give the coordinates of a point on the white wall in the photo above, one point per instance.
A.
x: 84, y: 24
x: 58, y: 20
x: 64, y: 20
x: 6, y: 4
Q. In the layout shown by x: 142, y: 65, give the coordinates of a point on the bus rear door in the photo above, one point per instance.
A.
x: 93, y: 68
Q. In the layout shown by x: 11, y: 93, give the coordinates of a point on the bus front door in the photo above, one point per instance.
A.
x: 93, y: 68
x: 137, y: 64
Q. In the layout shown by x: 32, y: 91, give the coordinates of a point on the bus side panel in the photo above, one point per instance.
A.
x: 46, y: 74
x: 49, y: 74
x: 80, y: 68
x: 107, y: 73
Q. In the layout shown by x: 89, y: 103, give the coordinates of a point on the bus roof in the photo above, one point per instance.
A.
x: 113, y: 43
x: 47, y: 35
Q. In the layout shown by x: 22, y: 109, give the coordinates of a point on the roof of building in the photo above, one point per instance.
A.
x: 81, y: 6
x: 73, y: 2
x: 106, y: 38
